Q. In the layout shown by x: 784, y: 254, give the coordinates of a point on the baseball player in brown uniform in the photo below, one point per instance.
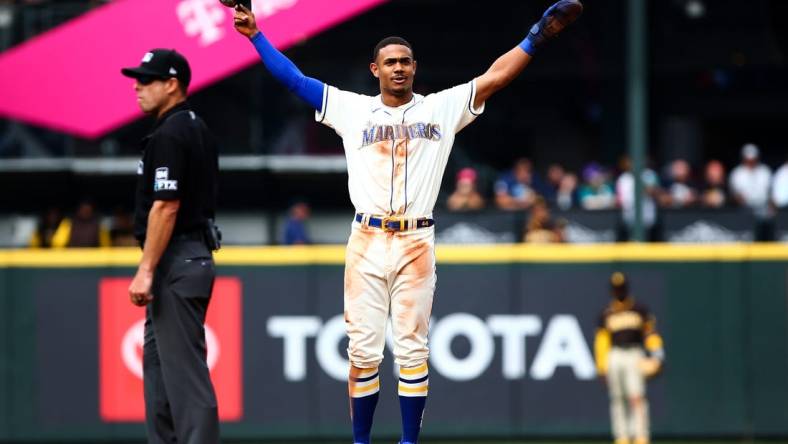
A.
x: 628, y: 351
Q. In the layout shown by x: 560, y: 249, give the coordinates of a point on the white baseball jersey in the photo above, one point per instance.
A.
x: 396, y: 156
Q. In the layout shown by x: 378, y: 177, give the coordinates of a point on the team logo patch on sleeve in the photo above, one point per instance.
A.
x: 162, y: 182
x: 162, y: 173
x: 165, y: 185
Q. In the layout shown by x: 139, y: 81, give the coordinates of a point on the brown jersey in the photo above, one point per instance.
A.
x: 628, y: 322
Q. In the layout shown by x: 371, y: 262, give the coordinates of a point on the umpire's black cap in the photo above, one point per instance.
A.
x: 162, y: 64
x: 618, y: 281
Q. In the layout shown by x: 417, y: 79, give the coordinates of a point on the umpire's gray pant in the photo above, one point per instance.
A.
x: 180, y: 404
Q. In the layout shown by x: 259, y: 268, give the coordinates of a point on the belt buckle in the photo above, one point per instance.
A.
x: 384, y: 224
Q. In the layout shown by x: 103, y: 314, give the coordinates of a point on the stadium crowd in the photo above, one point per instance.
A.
x: 750, y: 184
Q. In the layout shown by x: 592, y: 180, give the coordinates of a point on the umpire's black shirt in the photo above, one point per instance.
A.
x: 179, y: 162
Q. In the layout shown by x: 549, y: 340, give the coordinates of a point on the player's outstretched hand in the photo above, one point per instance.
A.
x: 557, y: 17
x: 244, y: 21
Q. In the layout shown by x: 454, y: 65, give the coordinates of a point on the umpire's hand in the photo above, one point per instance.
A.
x: 139, y: 290
x: 244, y: 21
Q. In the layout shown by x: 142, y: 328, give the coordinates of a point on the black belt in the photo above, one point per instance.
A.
x: 627, y: 346
x: 195, y: 235
x: 395, y: 223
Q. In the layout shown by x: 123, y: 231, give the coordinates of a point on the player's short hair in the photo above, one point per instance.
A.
x: 393, y: 40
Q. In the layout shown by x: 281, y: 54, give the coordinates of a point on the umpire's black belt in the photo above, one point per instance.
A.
x: 394, y: 223
x: 194, y: 235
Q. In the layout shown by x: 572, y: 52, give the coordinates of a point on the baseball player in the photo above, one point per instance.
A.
x: 397, y: 145
x: 628, y: 350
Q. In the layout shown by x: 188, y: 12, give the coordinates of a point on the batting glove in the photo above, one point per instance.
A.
x: 557, y: 17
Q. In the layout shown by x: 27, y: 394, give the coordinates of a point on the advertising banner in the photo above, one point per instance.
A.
x: 68, y: 79
x: 121, y: 337
x: 511, y: 349
x: 511, y: 342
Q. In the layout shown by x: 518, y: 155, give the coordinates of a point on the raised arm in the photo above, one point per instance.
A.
x: 308, y: 89
x: 511, y: 64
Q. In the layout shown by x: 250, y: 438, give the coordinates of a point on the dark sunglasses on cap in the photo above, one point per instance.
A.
x: 147, y: 80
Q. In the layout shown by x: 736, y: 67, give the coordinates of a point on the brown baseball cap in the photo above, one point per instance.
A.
x: 618, y: 280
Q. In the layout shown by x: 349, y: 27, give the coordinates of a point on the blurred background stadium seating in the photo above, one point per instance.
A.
x: 715, y: 83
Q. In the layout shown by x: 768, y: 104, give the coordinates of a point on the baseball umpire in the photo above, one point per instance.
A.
x: 175, y: 204
x: 628, y: 350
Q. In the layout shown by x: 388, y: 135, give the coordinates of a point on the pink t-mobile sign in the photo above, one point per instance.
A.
x: 69, y: 78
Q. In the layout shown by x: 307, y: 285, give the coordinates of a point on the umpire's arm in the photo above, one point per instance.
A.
x: 161, y: 222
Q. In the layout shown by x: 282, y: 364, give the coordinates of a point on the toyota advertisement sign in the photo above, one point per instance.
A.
x: 511, y: 350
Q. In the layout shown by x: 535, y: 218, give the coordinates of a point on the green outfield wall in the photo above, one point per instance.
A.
x: 511, y: 342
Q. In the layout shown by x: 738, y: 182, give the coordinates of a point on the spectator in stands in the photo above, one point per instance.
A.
x: 465, y: 196
x: 625, y: 194
x: 596, y: 193
x: 515, y: 190
x: 83, y: 230
x: 549, y: 188
x: 47, y: 227
x: 86, y: 229
x: 681, y: 193
x: 780, y: 186
x: 121, y: 232
x: 541, y: 228
x: 566, y: 197
x: 750, y: 181
x: 714, y: 194
x: 295, y: 232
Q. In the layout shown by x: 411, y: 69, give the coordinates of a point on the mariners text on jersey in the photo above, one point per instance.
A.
x: 420, y: 130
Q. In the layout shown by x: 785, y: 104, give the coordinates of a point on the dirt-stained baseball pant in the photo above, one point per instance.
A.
x: 389, y: 273
x: 627, y: 386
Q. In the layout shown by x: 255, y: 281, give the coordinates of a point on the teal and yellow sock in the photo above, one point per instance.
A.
x: 363, y: 387
x: 413, y: 388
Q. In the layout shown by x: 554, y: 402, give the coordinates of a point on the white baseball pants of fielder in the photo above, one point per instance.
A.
x: 389, y: 273
x: 627, y: 387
